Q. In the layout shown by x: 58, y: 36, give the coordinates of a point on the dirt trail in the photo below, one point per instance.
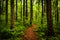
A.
x: 30, y: 34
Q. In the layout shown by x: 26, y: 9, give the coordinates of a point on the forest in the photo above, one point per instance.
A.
x: 29, y: 20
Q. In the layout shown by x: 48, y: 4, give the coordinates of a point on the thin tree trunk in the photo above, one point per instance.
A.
x: 16, y: 9
x: 42, y: 13
x: 26, y: 11
x: 44, y: 6
x: 6, y: 11
x: 31, y: 12
x: 12, y: 14
x: 21, y: 9
x: 23, y: 12
x: 0, y: 10
x: 49, y: 18
x: 2, y: 5
x: 2, y: 1
x: 57, y: 14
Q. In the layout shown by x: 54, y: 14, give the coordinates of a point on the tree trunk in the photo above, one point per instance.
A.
x: 16, y: 10
x: 26, y: 11
x: 2, y: 1
x: 1, y: 6
x: 21, y: 9
x: 31, y: 12
x: 0, y: 10
x: 44, y: 6
x: 23, y: 12
x: 6, y: 11
x: 42, y: 13
x: 49, y: 18
x: 12, y: 14
x: 57, y: 14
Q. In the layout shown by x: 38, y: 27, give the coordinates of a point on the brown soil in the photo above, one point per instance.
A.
x: 30, y: 34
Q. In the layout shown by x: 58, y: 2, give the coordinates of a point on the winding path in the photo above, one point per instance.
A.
x: 30, y: 34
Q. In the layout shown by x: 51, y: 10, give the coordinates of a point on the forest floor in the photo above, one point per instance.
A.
x: 30, y: 34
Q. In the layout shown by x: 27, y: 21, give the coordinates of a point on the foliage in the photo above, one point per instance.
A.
x: 13, y: 34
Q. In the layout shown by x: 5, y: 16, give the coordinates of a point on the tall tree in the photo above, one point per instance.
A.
x: 21, y: 12
x: 16, y: 9
x: 56, y: 12
x: 45, y: 6
x: 31, y: 12
x: 42, y: 12
x: 1, y: 6
x: 0, y: 9
x: 21, y: 7
x: 12, y: 14
x: 26, y: 10
x: 6, y: 11
x: 49, y: 18
x: 2, y: 1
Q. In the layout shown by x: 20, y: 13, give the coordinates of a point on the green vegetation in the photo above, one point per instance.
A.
x: 17, y: 15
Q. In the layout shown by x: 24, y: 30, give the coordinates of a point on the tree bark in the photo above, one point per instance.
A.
x: 57, y: 14
x: 42, y: 13
x: 49, y: 18
x: 23, y: 12
x: 16, y: 10
x: 21, y: 9
x: 12, y: 14
x: 1, y: 6
x: 0, y: 10
x: 6, y: 11
x: 2, y: 1
x: 26, y: 11
x: 31, y: 12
